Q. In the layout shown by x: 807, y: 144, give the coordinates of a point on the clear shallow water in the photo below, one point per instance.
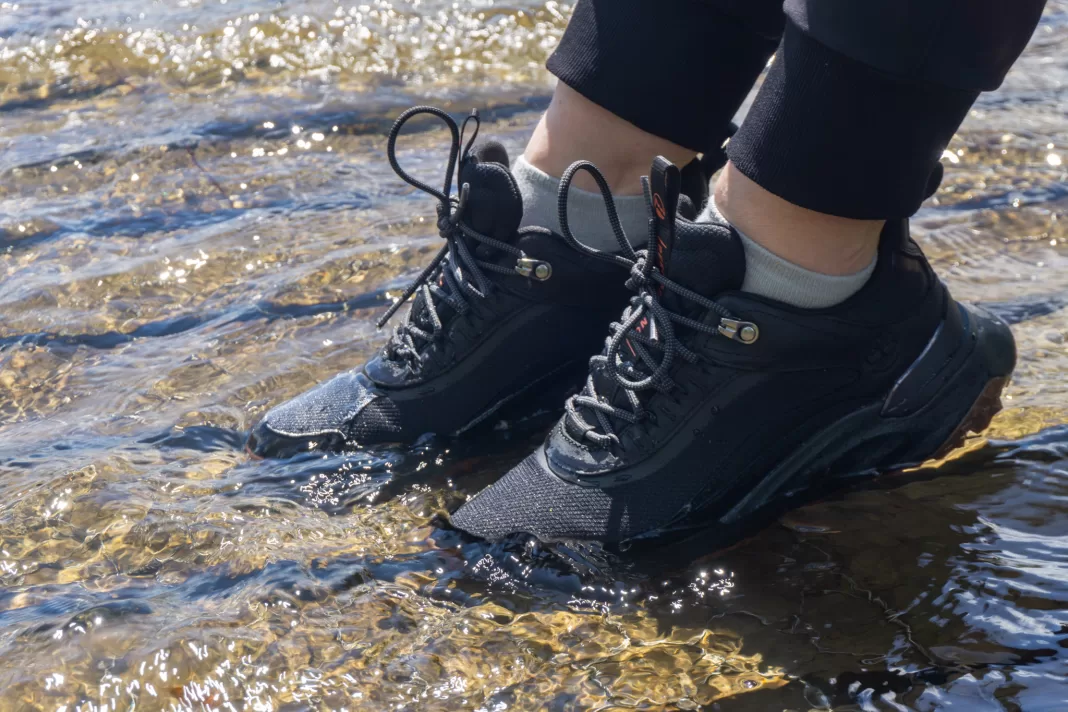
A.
x: 185, y: 240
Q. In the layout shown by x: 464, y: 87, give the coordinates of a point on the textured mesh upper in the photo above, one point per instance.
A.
x: 532, y: 500
x: 379, y: 421
x: 707, y: 258
x: 343, y: 405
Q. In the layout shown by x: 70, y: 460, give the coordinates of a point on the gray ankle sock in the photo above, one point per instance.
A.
x: 771, y: 276
x: 585, y: 210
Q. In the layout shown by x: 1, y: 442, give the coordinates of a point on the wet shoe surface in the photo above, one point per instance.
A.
x: 709, y: 405
x: 502, y: 313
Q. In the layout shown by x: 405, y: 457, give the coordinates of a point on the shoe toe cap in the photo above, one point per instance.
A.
x: 519, y: 502
x: 343, y: 410
x: 531, y: 499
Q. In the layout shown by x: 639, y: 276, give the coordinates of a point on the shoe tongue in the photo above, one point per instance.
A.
x: 494, y: 206
x: 705, y: 257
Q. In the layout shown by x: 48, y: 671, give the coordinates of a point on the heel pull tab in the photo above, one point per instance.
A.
x: 665, y: 184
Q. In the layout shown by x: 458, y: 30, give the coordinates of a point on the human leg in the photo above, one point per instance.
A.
x: 640, y: 79
x: 859, y: 103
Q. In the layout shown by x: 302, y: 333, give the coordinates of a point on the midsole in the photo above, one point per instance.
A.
x: 904, y: 441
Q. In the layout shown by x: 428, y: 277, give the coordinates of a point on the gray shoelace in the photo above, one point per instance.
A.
x: 646, y: 330
x: 455, y: 275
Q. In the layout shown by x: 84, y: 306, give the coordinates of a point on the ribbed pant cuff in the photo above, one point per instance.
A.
x: 833, y: 135
x: 679, y: 71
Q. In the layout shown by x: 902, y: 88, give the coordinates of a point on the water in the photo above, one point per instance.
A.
x: 197, y: 221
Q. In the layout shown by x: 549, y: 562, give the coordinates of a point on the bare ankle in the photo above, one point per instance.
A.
x: 574, y: 128
x: 816, y: 241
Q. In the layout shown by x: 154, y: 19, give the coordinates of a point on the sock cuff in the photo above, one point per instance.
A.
x: 771, y: 276
x: 586, y: 211
x: 535, y: 178
x: 538, y: 179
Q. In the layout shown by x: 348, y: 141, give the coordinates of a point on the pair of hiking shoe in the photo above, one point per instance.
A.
x: 704, y: 403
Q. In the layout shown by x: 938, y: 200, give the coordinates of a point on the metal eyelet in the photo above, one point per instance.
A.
x: 744, y: 331
x: 534, y: 269
x: 461, y: 205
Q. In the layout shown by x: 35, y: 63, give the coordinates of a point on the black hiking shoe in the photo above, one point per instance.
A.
x: 501, y: 315
x: 707, y: 404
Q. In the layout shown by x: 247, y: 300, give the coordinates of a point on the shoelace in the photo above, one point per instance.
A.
x: 652, y: 357
x: 455, y: 275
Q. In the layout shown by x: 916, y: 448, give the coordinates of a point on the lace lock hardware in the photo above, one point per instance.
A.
x: 534, y: 269
x: 744, y: 331
x: 461, y: 204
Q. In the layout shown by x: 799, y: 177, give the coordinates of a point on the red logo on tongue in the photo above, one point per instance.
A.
x: 661, y: 213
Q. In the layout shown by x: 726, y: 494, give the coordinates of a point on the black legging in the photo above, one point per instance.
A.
x: 861, y: 100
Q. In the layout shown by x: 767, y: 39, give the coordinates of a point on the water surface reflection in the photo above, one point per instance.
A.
x: 197, y: 222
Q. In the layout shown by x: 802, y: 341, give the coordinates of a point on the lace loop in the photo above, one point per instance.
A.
x: 610, y: 209
x: 473, y: 116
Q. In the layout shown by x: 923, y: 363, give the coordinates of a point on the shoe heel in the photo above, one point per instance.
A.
x: 963, y: 370
x: 978, y: 376
x: 978, y: 418
x: 961, y: 396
